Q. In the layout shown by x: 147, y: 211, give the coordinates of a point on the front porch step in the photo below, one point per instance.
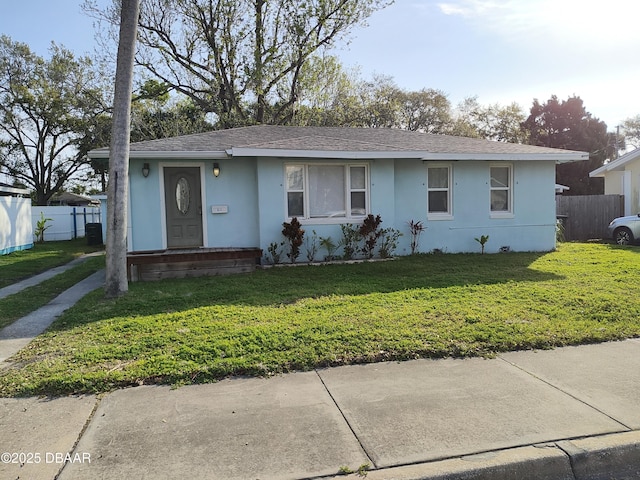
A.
x: 158, y: 265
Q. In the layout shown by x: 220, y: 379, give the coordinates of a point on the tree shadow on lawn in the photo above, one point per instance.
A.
x: 610, y: 245
x: 287, y: 285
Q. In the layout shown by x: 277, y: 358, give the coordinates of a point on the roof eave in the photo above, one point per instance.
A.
x: 153, y: 154
x: 408, y: 154
x: 14, y: 190
x: 599, y: 172
x: 555, y: 157
x: 617, y: 164
x: 558, y: 157
x: 333, y: 154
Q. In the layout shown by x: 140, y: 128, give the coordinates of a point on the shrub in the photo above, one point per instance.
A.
x: 41, y: 226
x: 294, y: 235
x: 560, y: 231
x: 350, y: 240
x: 482, y: 241
x: 389, y: 242
x: 371, y: 232
x: 416, y: 229
x: 327, y: 243
x: 274, y: 252
x: 311, y: 244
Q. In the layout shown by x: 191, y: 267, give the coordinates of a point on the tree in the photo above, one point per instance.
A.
x: 379, y: 102
x: 566, y: 124
x: 152, y: 119
x: 48, y: 111
x: 116, y: 259
x: 426, y: 110
x: 491, y: 122
x: 154, y: 114
x: 631, y: 129
x: 239, y: 58
x: 327, y: 94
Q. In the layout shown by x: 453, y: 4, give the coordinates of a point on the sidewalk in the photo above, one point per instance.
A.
x: 570, y: 413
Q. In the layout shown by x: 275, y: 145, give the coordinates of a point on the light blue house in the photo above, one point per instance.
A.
x: 234, y: 188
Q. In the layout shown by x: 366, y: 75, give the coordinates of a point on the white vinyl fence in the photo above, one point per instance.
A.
x: 66, y: 222
x: 15, y: 224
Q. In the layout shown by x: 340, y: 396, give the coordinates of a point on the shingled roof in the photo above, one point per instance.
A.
x: 337, y: 142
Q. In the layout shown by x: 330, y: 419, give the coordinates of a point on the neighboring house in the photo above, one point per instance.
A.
x: 234, y: 188
x: 622, y: 177
x: 72, y: 200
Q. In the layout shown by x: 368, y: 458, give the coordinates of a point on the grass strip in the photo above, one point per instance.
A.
x: 20, y: 304
x: 286, y: 319
x: 23, y: 264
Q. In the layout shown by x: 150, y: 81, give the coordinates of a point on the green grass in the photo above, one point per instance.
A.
x: 20, y: 304
x: 25, y: 263
x: 286, y: 319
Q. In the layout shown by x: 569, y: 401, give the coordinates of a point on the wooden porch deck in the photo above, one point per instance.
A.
x: 160, y: 264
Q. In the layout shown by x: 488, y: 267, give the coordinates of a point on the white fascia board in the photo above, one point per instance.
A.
x: 616, y: 164
x: 558, y: 158
x: 599, y: 172
x: 98, y: 154
x: 152, y: 155
x: 14, y: 190
x: 419, y: 155
x: 337, y: 154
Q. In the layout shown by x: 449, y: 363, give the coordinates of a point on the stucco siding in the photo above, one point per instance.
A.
x: 236, y: 191
x: 383, y: 191
x: 410, y: 200
x: 398, y: 193
x: 531, y: 227
x: 250, y: 205
x: 613, y: 183
x: 145, y: 221
x: 625, y: 182
x: 273, y: 207
x: 271, y: 201
x: 634, y: 203
x: 229, y: 204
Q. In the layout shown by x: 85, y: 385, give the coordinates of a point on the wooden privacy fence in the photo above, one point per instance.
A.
x: 586, y: 217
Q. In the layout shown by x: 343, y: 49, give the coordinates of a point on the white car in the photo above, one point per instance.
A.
x: 625, y: 230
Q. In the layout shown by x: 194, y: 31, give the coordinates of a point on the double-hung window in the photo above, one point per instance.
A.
x: 501, y: 190
x: 439, y: 192
x: 331, y: 191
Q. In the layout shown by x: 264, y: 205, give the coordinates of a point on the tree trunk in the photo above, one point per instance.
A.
x: 116, y: 260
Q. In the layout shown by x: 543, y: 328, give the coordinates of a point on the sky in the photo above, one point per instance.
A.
x: 501, y: 51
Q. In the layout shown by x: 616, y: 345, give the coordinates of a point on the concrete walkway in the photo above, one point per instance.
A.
x: 37, y: 279
x: 17, y: 335
x: 571, y: 413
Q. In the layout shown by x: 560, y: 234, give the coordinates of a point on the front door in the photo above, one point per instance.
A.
x: 183, y: 205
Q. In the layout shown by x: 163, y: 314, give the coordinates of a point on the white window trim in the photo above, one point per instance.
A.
x: 441, y: 215
x: 305, y: 219
x: 509, y: 212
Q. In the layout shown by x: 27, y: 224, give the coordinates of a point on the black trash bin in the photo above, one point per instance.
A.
x: 93, y: 232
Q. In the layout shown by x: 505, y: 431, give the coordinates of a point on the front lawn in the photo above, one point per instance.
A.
x: 285, y: 319
x: 22, y: 264
x: 30, y: 299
